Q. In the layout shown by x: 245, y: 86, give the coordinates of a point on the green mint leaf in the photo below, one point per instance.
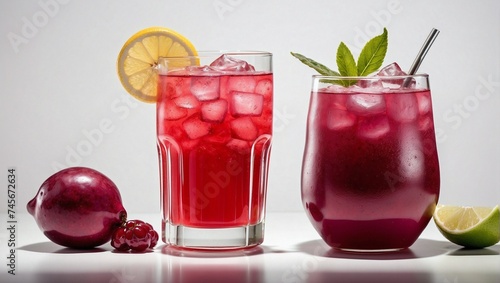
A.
x: 372, y: 55
x: 345, y: 61
x: 320, y: 68
x: 370, y: 60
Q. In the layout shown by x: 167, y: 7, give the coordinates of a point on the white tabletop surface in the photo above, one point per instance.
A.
x: 292, y: 252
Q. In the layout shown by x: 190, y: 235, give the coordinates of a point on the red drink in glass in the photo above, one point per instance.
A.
x: 370, y: 177
x: 214, y: 137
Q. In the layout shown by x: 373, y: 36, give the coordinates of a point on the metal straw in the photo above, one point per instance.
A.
x: 421, y: 54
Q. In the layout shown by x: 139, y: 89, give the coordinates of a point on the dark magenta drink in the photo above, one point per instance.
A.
x: 370, y: 176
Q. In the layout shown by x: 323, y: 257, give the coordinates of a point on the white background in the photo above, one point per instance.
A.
x: 59, y: 82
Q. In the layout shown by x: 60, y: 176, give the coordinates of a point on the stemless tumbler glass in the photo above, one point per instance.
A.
x: 370, y: 172
x: 214, y: 128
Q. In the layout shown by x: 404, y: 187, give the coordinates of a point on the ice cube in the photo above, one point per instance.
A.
x: 424, y: 102
x: 238, y: 145
x: 214, y: 111
x: 243, y: 128
x: 196, y: 128
x: 411, y: 158
x: 170, y: 111
x: 186, y: 101
x: 338, y: 101
x: 264, y: 123
x: 340, y: 119
x: 365, y: 104
x: 177, y: 87
x: 373, y: 127
x: 227, y: 63
x: 201, y: 70
x: 205, y: 88
x: 425, y: 123
x: 241, y: 83
x: 246, y: 104
x: 402, y: 107
x: 392, y: 69
x: 264, y: 87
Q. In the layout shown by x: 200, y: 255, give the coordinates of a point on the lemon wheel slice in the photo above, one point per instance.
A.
x: 471, y: 227
x: 138, y: 59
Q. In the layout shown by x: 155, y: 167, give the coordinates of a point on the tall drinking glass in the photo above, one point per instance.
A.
x: 370, y: 172
x: 214, y: 129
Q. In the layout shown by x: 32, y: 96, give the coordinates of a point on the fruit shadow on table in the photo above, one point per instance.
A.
x: 49, y: 247
x: 422, y: 248
x: 493, y: 250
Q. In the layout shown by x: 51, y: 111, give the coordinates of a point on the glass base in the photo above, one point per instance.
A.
x: 212, y: 238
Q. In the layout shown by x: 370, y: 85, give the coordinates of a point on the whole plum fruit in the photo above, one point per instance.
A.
x: 78, y: 207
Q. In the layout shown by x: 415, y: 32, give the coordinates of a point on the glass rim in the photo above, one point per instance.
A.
x: 213, y: 53
x: 370, y: 78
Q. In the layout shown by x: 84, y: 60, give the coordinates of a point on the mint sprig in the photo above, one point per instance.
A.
x: 345, y: 61
x: 320, y: 68
x: 371, y: 59
x: 373, y: 54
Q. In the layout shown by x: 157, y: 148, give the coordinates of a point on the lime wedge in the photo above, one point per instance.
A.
x: 471, y: 227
